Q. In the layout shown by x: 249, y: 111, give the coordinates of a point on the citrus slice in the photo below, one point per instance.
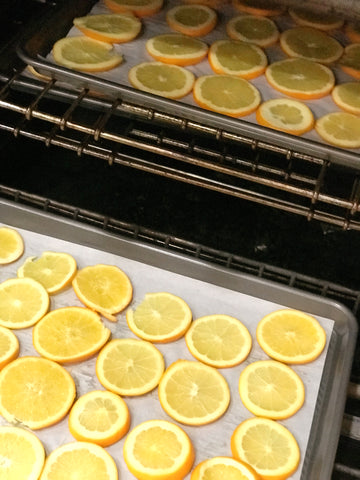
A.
x: 234, y: 57
x: 23, y: 301
x: 170, y: 81
x: 11, y: 245
x: 141, y: 8
x: 311, y: 43
x: 9, y: 346
x: 79, y: 460
x: 226, y: 94
x: 223, y: 467
x: 267, y: 446
x: 193, y: 20
x: 103, y: 288
x: 286, y: 115
x: 70, y: 334
x: 350, y: 61
x: 111, y: 28
x: 323, y: 20
x: 352, y: 30
x: 291, y: 336
x: 158, y: 449
x: 193, y: 393
x: 99, y: 417
x: 341, y: 129
x: 54, y: 270
x: 35, y: 391
x: 220, y: 341
x: 347, y: 96
x: 85, y: 54
x: 160, y: 317
x: 16, y: 445
x: 129, y: 366
x: 261, y: 31
x: 300, y: 78
x: 267, y: 8
x: 177, y: 49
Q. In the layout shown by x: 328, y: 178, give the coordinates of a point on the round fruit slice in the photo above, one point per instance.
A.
x: 177, y: 49
x: 238, y: 58
x: 99, y: 417
x: 267, y: 8
x: 16, y: 445
x: 141, y: 8
x: 220, y: 341
x: 341, y: 129
x: 352, y: 30
x: 161, y: 317
x: 111, y: 28
x: 35, y: 392
x: 347, y: 96
x: 226, y: 94
x: 193, y: 393
x: 350, y: 61
x: 222, y: 468
x: 286, y: 115
x: 9, y: 346
x: 267, y: 446
x: 291, y: 336
x: 129, y: 367
x: 261, y: 31
x: 192, y: 20
x: 11, y: 245
x: 170, y: 81
x: 321, y: 20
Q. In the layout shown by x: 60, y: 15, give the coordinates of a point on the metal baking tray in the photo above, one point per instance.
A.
x: 56, y: 22
x: 207, y: 288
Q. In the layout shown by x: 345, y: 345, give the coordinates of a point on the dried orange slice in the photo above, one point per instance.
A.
x: 111, y: 28
x: 347, y: 96
x: 223, y: 467
x: 9, y: 346
x: 320, y: 19
x: 177, y: 49
x: 352, y: 31
x: 141, y: 8
x: 341, y: 129
x: 267, y: 8
x: 350, y: 61
x: 192, y: 20
x: 261, y: 31
x: 11, y: 245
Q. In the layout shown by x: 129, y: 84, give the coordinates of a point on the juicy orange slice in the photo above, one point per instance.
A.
x: 267, y: 8
x: 222, y: 468
x: 111, y: 28
x: 9, y: 346
x: 350, y: 61
x: 261, y: 31
x: 177, y: 49
x: 141, y: 8
x: 322, y: 20
x: 347, y: 96
x: 341, y: 129
x: 192, y: 20
x: 11, y: 245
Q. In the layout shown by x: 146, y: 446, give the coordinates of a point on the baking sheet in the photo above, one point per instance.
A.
x: 207, y: 289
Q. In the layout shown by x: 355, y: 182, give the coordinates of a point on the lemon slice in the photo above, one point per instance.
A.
x: 341, y: 129
x: 11, y: 245
x: 9, y: 346
x: 261, y: 31
x: 177, y: 49
x: 111, y: 28
x: 350, y: 61
x: 317, y: 19
x: 193, y: 20
x: 141, y: 8
x: 267, y: 8
x: 223, y: 468
x: 347, y: 96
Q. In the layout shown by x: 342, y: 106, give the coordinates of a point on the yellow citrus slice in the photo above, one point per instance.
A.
x: 35, y: 392
x: 79, y: 460
x: 226, y: 94
x: 350, y: 61
x: 85, y: 54
x: 267, y: 8
x: 103, y: 288
x: 286, y: 115
x: 352, y: 31
x: 311, y: 43
x: 129, y: 366
x: 100, y: 417
x: 323, y: 20
x: 267, y: 446
x: 347, y: 96
x: 9, y: 346
x: 11, y: 245
x: 111, y: 28
x: 193, y: 20
x: 261, y: 31
x: 54, y: 270
x: 22, y: 454
x: 341, y: 129
x: 70, y: 334
x: 234, y: 57
x: 193, y: 393
x: 177, y: 49
x: 23, y: 302
x: 291, y: 336
x: 170, y: 81
x: 220, y: 341
x: 300, y: 78
x: 223, y: 468
x: 141, y: 8
x: 160, y: 317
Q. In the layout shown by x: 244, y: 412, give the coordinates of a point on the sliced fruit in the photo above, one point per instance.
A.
x: 267, y: 446
x: 170, y: 81
x: 11, y: 245
x: 347, y: 96
x: 100, y: 417
x: 261, y: 31
x: 341, y: 129
x: 218, y: 468
x: 141, y: 8
x: 160, y: 317
x: 111, y: 28
x: 22, y: 454
x: 322, y: 20
x: 350, y: 61
x: 35, y: 392
x: 86, y: 54
x: 300, y: 78
x: 286, y: 115
x: 79, y: 460
x: 9, y: 346
x: 177, y: 49
x: 267, y: 8
x: 193, y: 393
x: 103, y: 288
x: 291, y: 336
x: 352, y: 31
x: 129, y: 367
x: 23, y: 302
x: 220, y: 341
x: 193, y: 20
x: 226, y: 94
x: 54, y: 270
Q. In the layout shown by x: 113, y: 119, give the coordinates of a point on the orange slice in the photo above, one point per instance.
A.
x: 352, y: 31
x: 111, y: 28
x: 177, y: 49
x: 347, y: 96
x: 223, y: 468
x: 141, y: 8
x: 261, y: 31
x: 350, y: 61
x: 9, y: 346
x: 267, y: 8
x: 322, y: 20
x: 341, y: 129
x: 192, y: 20
x: 11, y: 245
